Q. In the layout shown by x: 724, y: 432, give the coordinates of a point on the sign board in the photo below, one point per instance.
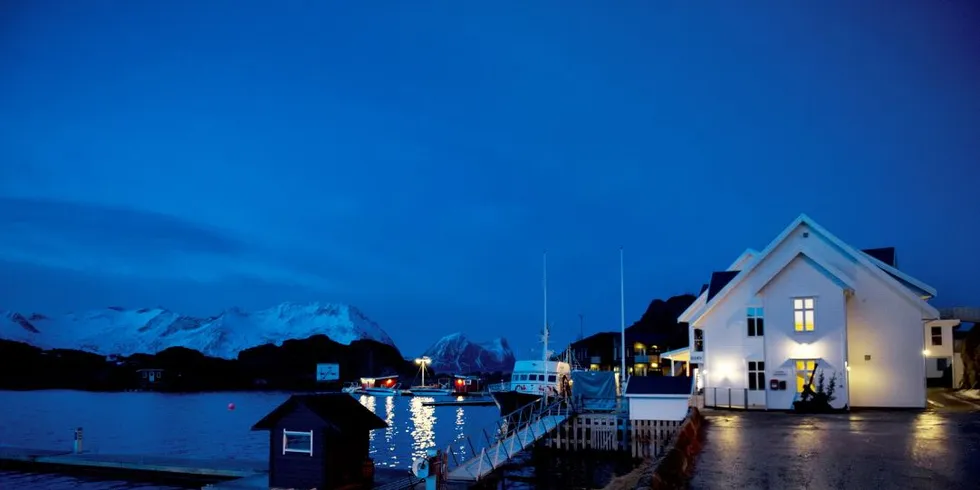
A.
x: 327, y: 372
x: 779, y: 373
x: 697, y: 357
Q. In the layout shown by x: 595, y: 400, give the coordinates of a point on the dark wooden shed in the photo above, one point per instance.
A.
x: 319, y: 441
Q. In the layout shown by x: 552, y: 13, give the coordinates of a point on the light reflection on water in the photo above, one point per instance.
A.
x: 423, y: 422
x: 414, y: 427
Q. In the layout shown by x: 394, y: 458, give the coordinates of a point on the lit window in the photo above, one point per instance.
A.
x: 803, y: 314
x: 698, y: 340
x: 937, y: 335
x: 297, y: 442
x: 804, y: 369
x: 757, y: 375
x: 754, y: 322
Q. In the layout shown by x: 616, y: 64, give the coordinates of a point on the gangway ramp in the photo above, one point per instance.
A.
x: 515, y: 433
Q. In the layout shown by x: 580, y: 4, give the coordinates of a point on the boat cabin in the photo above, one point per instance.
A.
x: 381, y: 382
x: 465, y: 385
x: 540, y: 377
x: 320, y: 441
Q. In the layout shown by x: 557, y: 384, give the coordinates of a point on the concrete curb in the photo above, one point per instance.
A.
x: 678, y: 462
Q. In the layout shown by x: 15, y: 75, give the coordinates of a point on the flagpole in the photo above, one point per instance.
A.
x: 622, y: 320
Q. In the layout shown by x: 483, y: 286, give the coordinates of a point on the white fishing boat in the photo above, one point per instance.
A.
x: 381, y: 386
x: 438, y: 389
x: 533, y: 379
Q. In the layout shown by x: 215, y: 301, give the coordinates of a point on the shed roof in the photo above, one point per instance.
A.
x: 659, y: 385
x: 338, y: 409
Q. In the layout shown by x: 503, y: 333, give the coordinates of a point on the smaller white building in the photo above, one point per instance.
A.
x: 659, y: 397
x: 939, y: 349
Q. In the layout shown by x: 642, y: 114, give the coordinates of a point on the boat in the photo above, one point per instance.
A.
x: 438, y: 389
x: 530, y: 381
x: 381, y: 386
x: 430, y: 390
x: 533, y: 379
x: 353, y: 388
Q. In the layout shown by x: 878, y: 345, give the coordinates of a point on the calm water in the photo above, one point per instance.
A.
x: 202, y: 426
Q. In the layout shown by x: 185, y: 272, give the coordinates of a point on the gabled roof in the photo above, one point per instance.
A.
x: 748, y: 255
x: 743, y: 260
x: 884, y: 254
x: 340, y: 410
x: 918, y: 287
x: 865, y: 260
x: 719, y: 280
x: 660, y: 386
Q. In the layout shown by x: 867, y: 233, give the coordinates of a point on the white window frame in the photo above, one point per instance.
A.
x: 755, y: 373
x: 286, y: 449
x: 802, y: 306
x: 756, y: 313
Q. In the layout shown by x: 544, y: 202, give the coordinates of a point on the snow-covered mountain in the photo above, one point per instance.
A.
x: 456, y: 354
x: 149, y: 330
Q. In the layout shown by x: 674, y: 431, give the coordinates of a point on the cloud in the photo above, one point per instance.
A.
x: 108, y: 240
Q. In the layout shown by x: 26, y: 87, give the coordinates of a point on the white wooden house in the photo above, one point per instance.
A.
x: 810, y: 300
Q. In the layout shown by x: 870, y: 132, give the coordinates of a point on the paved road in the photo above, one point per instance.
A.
x: 861, y: 450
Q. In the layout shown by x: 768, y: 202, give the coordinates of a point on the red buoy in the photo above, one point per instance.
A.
x: 231, y: 406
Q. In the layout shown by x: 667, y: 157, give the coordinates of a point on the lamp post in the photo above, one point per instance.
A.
x: 423, y: 361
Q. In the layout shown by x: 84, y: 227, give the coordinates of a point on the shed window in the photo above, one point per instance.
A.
x: 297, y: 442
x: 469, y: 382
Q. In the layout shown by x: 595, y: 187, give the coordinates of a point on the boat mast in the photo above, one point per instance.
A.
x: 544, y: 283
x: 622, y: 322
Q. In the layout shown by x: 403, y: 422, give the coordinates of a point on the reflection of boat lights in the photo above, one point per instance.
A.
x: 424, y: 419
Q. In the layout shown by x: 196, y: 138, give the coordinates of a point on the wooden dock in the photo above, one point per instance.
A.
x: 164, y: 467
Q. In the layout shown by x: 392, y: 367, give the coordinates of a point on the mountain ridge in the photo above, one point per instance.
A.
x: 456, y: 353
x: 121, y: 331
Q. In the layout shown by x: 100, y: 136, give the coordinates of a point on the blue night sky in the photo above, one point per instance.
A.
x: 415, y: 160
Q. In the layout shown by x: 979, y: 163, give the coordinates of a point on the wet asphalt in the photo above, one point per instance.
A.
x: 937, y: 448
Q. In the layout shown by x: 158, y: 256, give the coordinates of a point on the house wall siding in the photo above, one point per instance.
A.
x: 658, y: 408
x: 883, y: 325
x: 784, y: 345
x: 296, y: 470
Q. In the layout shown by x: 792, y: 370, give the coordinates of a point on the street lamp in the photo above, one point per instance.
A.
x: 423, y: 361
